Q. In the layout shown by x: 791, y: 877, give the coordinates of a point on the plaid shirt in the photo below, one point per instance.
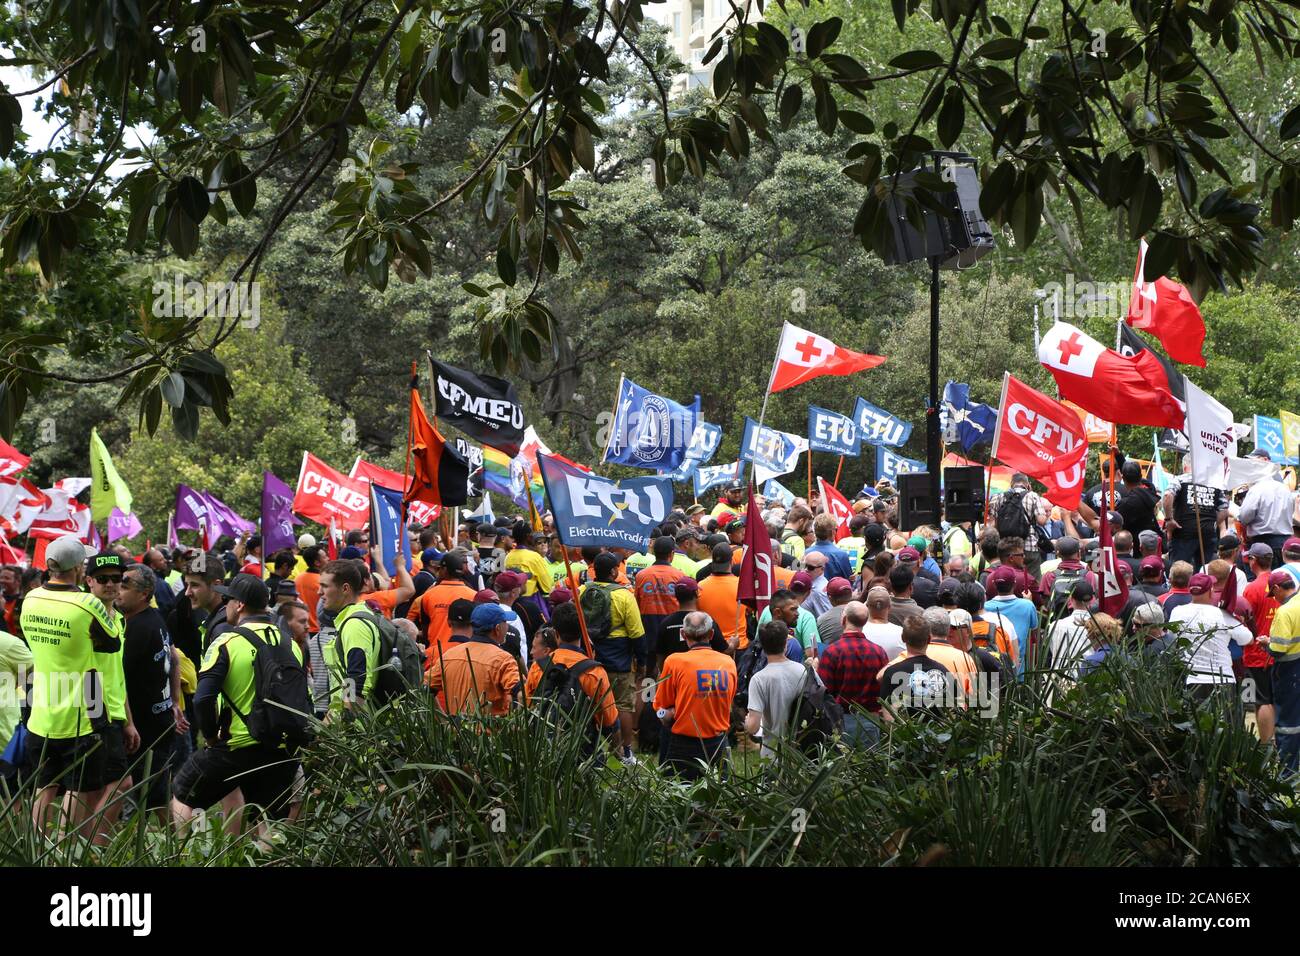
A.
x: 850, y: 668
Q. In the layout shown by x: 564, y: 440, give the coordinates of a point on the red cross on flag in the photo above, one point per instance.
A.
x: 1166, y: 310
x: 836, y: 505
x: 802, y: 356
x: 1120, y: 389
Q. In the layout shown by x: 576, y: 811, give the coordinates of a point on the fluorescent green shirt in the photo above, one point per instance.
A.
x: 109, y: 665
x: 237, y: 690
x: 57, y: 624
x: 355, y: 632
x: 15, y: 666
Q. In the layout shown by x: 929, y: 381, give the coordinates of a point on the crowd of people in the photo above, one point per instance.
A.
x: 150, y: 673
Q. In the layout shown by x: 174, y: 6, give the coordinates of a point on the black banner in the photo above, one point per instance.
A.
x: 482, y: 406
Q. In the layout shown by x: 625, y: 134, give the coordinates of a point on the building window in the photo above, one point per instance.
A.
x: 697, y: 15
x: 721, y: 9
x: 677, y: 24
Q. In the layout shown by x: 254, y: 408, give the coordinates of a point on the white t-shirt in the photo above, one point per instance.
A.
x: 888, y: 636
x: 517, y: 626
x: 772, y: 692
x: 1209, y: 629
x: 1068, y: 641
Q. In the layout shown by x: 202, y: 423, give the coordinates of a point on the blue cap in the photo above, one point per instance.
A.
x: 430, y: 554
x: 351, y: 552
x: 488, y: 616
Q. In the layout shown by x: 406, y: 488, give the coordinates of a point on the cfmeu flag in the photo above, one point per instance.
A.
x: 1126, y: 391
x: 1044, y: 439
x: 802, y: 356
x: 837, y: 506
x: 323, y: 495
x: 593, y: 511
x: 649, y: 431
x: 1166, y: 310
x: 387, y: 529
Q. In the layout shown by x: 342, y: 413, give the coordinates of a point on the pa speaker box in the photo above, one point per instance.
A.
x: 958, y: 239
x: 916, y: 500
x: 963, y: 493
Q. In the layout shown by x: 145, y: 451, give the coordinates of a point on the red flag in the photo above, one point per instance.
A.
x: 802, y: 356
x: 1120, y: 389
x: 1111, y: 587
x: 1166, y: 310
x: 1044, y: 439
x: 836, y: 504
x: 332, y: 548
x: 12, y: 460
x: 439, y: 474
x: 384, y: 477
x: 324, y: 494
x: 757, y: 579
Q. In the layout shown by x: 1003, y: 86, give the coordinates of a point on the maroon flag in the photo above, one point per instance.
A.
x: 1112, y: 589
x: 757, y: 580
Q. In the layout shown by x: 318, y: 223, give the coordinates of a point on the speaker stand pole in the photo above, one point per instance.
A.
x: 932, y: 433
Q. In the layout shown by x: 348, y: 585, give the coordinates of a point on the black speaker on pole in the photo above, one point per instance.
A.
x: 963, y: 493
x: 957, y: 238
x: 916, y: 500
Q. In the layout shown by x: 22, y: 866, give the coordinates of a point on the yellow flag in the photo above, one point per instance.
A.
x: 107, y: 489
x: 1290, y: 433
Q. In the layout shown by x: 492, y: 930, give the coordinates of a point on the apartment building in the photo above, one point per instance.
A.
x: 691, y: 25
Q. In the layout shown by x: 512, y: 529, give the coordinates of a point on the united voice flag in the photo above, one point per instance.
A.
x: 802, y: 356
x: 325, y: 495
x: 649, y: 431
x: 12, y: 460
x: 482, y: 406
x: 593, y: 511
x: 1127, y: 391
x: 757, y: 576
x: 837, y: 506
x: 439, y: 476
x: 1044, y: 439
x: 1166, y: 310
x: 1213, y: 439
x: 277, y: 515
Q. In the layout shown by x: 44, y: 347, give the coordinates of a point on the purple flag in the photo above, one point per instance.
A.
x: 230, y: 520
x: 122, y: 525
x: 194, y: 508
x: 191, y: 507
x: 277, y: 515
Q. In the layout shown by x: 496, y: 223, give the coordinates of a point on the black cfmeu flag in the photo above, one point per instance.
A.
x: 485, y: 408
x: 1130, y: 344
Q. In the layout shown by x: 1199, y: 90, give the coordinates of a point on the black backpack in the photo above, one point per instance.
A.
x: 1011, y: 518
x: 401, y: 661
x: 750, y: 662
x: 561, y: 699
x: 598, y: 609
x: 816, y: 716
x: 282, y: 711
x: 1062, y: 586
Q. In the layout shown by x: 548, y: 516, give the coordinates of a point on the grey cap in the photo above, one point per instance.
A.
x: 1149, y: 613
x: 65, y: 553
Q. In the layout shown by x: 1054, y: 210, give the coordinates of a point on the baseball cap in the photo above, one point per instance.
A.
x: 1228, y: 542
x: 948, y: 590
x: 65, y: 553
x: 721, y: 557
x: 486, y: 596
x: 509, y: 580
x: 558, y: 596
x: 1292, y: 545
x: 1281, y: 579
x: 959, y: 617
x: 1003, y: 572
x: 874, y: 534
x: 606, y: 562
x: 537, y: 537
x: 453, y: 562
x: 460, y: 611
x: 430, y: 555
x: 488, y: 616
x: 686, y: 587
x: 104, y: 561
x: 1200, y: 584
x: 1153, y: 562
x: 801, y: 583
x: 1258, y: 453
x: 487, y: 531
x: 246, y: 589
x: 695, y: 510
x: 351, y: 553
x: 862, y: 504
x: 909, y: 554
x: 735, y: 485
x: 878, y: 598
x: 306, y: 540
x: 1148, y: 537
x: 1260, y: 550
x: 918, y: 541
x: 1083, y: 590
x: 1149, y: 613
x: 837, y: 586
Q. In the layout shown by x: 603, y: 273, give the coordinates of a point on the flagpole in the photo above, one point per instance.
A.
x: 604, y: 457
x: 809, y: 476
x: 993, y: 449
x: 410, y: 427
x: 838, y: 469
x: 582, y: 620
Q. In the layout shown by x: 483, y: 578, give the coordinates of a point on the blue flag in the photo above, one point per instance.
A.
x: 704, y: 444
x: 650, y: 431
x: 964, y: 422
x: 772, y: 452
x: 775, y: 491
x: 833, y: 432
x: 877, y: 427
x: 710, y: 476
x: 1268, y: 436
x: 596, y: 511
x: 889, y: 465
x: 387, y: 529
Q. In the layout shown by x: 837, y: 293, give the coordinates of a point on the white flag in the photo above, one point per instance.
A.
x: 1213, y: 437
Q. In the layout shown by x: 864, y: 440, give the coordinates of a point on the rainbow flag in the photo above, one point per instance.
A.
x: 508, y: 476
x: 1001, y: 478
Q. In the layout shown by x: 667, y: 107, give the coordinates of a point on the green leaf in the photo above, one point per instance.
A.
x: 824, y: 106
x: 917, y: 60
x: 857, y: 122
x: 1027, y: 212
x: 474, y: 289
x: 791, y: 100
x: 952, y: 117
x: 822, y: 35
x: 1290, y: 126
x: 1144, y: 206
x: 506, y: 265
x: 1162, y: 250
x: 185, y: 420
x: 193, y: 199
x: 173, y: 389
x: 1001, y: 48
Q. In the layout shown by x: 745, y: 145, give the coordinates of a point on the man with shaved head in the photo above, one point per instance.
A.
x: 850, y: 669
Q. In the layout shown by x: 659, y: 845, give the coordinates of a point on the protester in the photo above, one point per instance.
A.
x: 830, y: 623
x: 774, y: 690
x: 901, y: 604
x: 1268, y: 512
x: 655, y: 588
x: 430, y: 612
x: 914, y: 683
x: 719, y: 598
x: 1006, y: 606
x: 618, y: 637
x: 1209, y: 630
x: 477, y: 677
x: 880, y: 629
x: 568, y: 654
x: 1284, y: 645
x: 784, y: 606
x: 693, y: 701
x: 1067, y: 640
x: 850, y: 668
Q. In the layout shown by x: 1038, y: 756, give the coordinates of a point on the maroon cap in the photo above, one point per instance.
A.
x: 487, y: 596
x: 1292, y: 545
x: 1201, y: 584
x: 685, y: 587
x: 801, y: 583
x: 909, y: 554
x: 837, y: 586
x: 1281, y: 579
x: 1003, y: 572
x: 1152, y: 562
x: 558, y: 596
x: 509, y: 580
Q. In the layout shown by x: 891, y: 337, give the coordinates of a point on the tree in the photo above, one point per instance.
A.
x: 1118, y: 109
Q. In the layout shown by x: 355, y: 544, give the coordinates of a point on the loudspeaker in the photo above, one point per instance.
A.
x: 959, y: 238
x: 963, y: 493
x: 916, y: 500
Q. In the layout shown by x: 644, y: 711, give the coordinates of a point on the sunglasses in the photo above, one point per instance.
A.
x: 108, y: 578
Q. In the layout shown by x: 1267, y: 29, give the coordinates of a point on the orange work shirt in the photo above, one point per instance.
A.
x: 308, y: 586
x: 783, y: 576
x: 430, y: 613
x: 594, y: 683
x: 476, y: 677
x: 699, y: 684
x: 654, y: 590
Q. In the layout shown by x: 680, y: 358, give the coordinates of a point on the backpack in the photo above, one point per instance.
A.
x: 751, y: 661
x: 816, y: 715
x: 1011, y: 519
x: 561, y: 698
x: 1062, y: 586
x: 282, y: 712
x: 598, y: 609
x: 401, y: 661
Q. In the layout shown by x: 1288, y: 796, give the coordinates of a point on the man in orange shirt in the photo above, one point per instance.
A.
x: 379, y: 590
x: 694, y: 698
x: 308, y: 584
x: 655, y: 595
x: 718, y: 595
x: 430, y: 612
x: 478, y: 677
x: 592, y: 678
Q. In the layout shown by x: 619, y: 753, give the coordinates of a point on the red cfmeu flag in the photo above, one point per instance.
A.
x: 802, y: 356
x: 1043, y: 438
x: 1166, y: 310
x: 379, y: 475
x: 837, y: 505
x: 1112, y: 589
x: 1123, y: 390
x: 439, y: 475
x: 326, y: 495
x: 757, y: 579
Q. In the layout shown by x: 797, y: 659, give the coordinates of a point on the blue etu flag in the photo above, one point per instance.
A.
x: 650, y: 431
x: 387, y: 529
x: 889, y: 465
x: 770, y: 449
x: 964, y: 422
x: 833, y: 432
x: 775, y: 491
x: 593, y: 511
x: 878, y: 427
x: 709, y: 476
x: 704, y: 443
